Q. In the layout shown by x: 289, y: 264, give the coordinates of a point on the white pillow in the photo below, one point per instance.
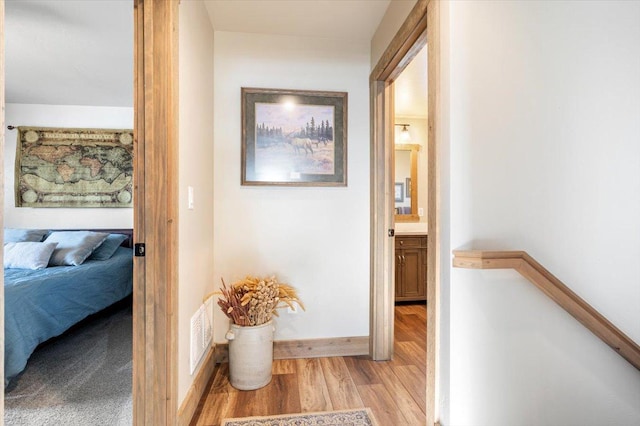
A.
x: 74, y: 246
x: 28, y: 255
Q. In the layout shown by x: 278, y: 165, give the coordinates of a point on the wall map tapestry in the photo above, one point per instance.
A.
x: 74, y: 167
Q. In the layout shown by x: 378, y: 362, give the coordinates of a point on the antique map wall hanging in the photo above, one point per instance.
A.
x: 74, y: 167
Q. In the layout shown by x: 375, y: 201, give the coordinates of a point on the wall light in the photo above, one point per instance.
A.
x: 404, y: 133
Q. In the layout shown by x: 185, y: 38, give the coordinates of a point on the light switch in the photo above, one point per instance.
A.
x: 420, y: 211
x: 190, y: 197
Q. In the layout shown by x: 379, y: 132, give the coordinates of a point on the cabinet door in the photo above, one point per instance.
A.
x: 398, y: 274
x: 413, y: 273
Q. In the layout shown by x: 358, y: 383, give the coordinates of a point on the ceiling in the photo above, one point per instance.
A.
x: 410, y: 88
x: 336, y: 19
x: 69, y: 52
x: 80, y: 52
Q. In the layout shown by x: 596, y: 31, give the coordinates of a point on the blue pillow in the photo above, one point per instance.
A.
x: 74, y: 246
x: 16, y: 235
x: 27, y: 255
x: 108, y: 247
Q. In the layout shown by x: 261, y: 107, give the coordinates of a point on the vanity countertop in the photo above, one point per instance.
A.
x: 409, y: 233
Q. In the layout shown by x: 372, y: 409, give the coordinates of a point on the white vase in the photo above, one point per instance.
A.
x: 250, y: 355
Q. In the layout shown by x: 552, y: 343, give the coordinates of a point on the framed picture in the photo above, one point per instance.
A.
x: 294, y: 137
x: 407, y: 187
x: 399, y: 190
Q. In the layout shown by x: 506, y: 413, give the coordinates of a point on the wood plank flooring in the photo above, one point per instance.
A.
x: 394, y: 390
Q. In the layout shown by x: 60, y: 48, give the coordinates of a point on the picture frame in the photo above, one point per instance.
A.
x: 294, y: 137
x: 407, y: 187
x: 399, y: 192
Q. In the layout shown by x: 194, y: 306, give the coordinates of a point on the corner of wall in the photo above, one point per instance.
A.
x: 396, y: 13
x: 195, y: 183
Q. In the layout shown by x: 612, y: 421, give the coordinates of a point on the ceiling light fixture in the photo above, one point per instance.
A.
x: 404, y: 133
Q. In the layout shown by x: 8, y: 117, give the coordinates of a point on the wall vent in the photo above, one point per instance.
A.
x: 200, y: 334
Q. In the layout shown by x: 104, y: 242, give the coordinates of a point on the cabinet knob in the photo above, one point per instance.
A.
x: 401, y: 242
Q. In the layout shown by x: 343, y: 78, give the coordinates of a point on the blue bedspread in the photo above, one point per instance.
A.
x: 44, y: 303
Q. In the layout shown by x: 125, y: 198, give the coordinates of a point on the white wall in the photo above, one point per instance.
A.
x: 195, y: 230
x: 393, y: 18
x: 316, y: 239
x: 545, y: 156
x: 60, y: 116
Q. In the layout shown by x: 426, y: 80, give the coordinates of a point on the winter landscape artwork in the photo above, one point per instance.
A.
x: 296, y: 138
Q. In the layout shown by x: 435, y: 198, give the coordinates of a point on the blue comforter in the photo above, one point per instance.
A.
x: 44, y: 303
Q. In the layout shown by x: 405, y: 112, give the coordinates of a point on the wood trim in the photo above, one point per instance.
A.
x: 550, y: 285
x: 422, y: 24
x: 415, y: 149
x: 309, y: 348
x: 139, y: 311
x: 405, y: 45
x: 156, y: 212
x: 2, y: 135
x: 382, y: 202
x: 407, y: 146
x: 197, y: 389
x: 434, y: 172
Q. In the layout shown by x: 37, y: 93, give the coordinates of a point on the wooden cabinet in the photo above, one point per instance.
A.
x: 411, y: 267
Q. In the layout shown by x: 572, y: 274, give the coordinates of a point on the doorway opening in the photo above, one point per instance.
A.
x: 420, y: 29
x: 69, y: 91
x: 155, y: 42
x: 410, y: 118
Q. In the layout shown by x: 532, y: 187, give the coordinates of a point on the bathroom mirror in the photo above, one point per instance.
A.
x: 406, y: 183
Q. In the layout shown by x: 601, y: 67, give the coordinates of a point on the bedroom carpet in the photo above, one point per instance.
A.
x: 80, y: 378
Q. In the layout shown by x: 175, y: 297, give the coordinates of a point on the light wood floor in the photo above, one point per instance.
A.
x: 394, y: 390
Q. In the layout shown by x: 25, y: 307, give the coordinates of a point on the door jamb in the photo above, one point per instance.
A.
x: 421, y: 25
x: 156, y: 212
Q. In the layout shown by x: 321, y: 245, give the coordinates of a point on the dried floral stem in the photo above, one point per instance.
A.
x: 253, y: 301
x: 231, y: 305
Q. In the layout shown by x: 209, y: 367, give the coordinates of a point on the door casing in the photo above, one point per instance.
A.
x: 156, y: 212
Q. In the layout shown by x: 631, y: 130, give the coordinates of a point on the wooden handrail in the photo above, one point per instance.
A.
x: 528, y: 267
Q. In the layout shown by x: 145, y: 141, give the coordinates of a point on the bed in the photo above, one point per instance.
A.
x: 41, y: 304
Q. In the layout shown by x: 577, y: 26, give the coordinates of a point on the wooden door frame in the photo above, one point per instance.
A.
x: 421, y: 27
x: 156, y: 212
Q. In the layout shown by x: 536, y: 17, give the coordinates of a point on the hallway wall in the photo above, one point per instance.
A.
x: 195, y: 255
x: 545, y: 121
x: 316, y: 239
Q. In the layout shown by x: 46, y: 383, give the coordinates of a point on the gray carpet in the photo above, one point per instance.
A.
x: 80, y: 378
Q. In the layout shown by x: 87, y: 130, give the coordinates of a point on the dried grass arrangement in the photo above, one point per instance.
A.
x: 253, y: 301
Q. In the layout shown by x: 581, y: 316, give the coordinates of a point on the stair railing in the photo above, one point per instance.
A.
x: 528, y: 267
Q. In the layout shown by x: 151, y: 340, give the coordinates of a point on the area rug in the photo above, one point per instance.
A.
x: 80, y: 378
x: 360, y: 417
